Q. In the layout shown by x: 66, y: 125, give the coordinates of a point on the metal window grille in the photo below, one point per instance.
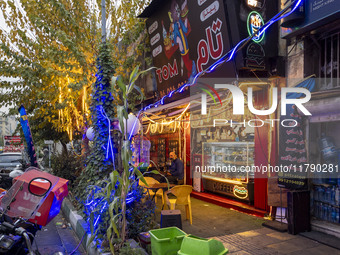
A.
x: 329, y: 72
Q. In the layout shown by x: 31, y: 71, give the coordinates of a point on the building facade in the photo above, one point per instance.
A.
x: 313, y: 49
x: 186, y: 39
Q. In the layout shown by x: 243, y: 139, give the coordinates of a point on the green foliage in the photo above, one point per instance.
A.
x: 67, y: 166
x: 127, y: 250
x: 98, y: 167
x: 141, y: 216
x: 48, y: 48
x: 121, y: 182
x: 119, y: 220
x: 45, y: 131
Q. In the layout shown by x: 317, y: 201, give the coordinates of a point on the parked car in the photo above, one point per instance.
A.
x: 10, y: 160
x: 11, y: 165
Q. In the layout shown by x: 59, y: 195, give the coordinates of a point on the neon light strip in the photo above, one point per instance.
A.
x: 230, y: 54
x: 109, y: 147
x: 101, y: 210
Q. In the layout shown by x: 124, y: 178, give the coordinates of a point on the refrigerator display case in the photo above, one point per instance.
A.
x: 227, y: 169
x: 324, y: 150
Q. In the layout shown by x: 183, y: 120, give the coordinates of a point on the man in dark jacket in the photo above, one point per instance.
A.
x: 176, y: 169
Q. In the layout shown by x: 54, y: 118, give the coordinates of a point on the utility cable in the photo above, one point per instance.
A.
x: 75, y: 249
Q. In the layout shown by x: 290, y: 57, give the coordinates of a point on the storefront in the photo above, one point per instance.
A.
x: 226, y: 149
x: 323, y: 129
x: 185, y: 38
x: 167, y: 131
x: 313, y: 49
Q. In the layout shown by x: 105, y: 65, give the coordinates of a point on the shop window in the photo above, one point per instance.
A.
x: 329, y: 62
x: 324, y: 150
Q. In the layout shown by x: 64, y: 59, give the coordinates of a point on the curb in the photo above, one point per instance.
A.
x: 80, y: 227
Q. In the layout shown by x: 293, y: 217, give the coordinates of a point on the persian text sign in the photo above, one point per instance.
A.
x: 13, y: 144
x: 186, y: 37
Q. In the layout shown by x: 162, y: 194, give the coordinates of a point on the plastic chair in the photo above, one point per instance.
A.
x: 182, y: 194
x: 159, y: 193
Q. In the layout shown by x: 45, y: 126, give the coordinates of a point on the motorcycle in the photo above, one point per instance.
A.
x: 32, y: 202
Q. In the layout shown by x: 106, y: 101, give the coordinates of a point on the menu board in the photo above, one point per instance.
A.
x: 292, y: 152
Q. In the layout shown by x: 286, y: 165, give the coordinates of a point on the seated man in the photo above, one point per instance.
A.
x: 176, y: 170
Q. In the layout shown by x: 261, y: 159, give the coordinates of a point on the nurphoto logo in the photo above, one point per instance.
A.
x: 238, y: 100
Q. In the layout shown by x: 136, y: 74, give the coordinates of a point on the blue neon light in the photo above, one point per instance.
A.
x: 181, y: 89
x: 109, y: 147
x: 98, y: 217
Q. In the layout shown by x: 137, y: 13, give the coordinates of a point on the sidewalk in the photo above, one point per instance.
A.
x: 212, y: 220
x: 267, y: 241
x: 54, y: 238
x: 243, y: 234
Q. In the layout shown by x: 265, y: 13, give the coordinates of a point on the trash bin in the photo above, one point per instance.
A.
x: 144, y: 239
x: 193, y: 245
x: 166, y: 241
x: 171, y: 218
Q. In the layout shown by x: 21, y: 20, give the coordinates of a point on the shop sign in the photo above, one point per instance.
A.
x: 186, y: 37
x: 239, y: 191
x: 292, y: 153
x: 255, y: 56
x: 254, y: 23
x: 13, y: 144
x: 246, y: 17
x: 314, y: 12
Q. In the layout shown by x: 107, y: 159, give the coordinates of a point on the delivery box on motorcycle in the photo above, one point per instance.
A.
x: 50, y: 206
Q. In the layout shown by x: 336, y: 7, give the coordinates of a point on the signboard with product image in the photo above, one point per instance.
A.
x: 13, y: 144
x: 245, y: 18
x: 309, y: 15
x: 186, y: 37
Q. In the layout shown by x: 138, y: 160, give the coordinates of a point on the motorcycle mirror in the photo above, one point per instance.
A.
x: 39, y: 186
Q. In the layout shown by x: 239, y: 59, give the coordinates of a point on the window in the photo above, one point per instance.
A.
x: 329, y: 62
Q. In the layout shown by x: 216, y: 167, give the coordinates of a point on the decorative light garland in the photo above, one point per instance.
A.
x: 171, y: 121
x: 154, y: 127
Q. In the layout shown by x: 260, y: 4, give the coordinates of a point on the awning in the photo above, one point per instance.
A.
x: 174, y: 104
x: 307, y: 83
x: 324, y: 110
